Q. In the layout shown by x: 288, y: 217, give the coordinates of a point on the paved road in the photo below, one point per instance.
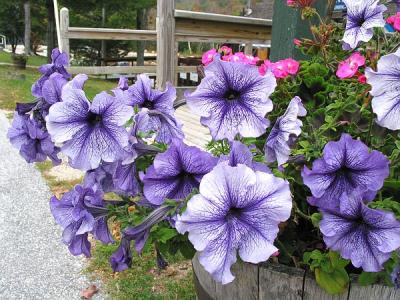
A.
x: 34, y: 264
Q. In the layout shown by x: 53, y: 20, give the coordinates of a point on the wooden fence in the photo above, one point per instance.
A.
x: 172, y: 26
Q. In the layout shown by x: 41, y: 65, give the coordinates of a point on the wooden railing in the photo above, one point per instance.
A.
x: 172, y: 26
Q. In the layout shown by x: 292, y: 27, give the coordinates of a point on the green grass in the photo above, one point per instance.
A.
x: 15, y: 86
x: 33, y: 60
x: 143, y: 281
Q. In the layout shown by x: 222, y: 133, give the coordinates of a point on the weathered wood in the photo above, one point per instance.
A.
x: 248, y: 49
x: 245, y: 285
x: 204, y: 30
x: 291, y: 26
x: 204, y: 278
x: 111, y: 34
x: 184, y: 14
x: 102, y: 70
x: 64, y: 24
x: 373, y: 292
x: 278, y: 282
x: 166, y: 52
x: 313, y: 291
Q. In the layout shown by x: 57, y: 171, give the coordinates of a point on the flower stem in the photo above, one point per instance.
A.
x: 284, y: 250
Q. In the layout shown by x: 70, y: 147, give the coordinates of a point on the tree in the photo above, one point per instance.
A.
x: 28, y: 23
x: 12, y: 22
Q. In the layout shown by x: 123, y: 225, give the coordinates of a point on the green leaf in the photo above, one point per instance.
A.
x: 333, y: 283
x: 367, y: 278
x: 162, y: 235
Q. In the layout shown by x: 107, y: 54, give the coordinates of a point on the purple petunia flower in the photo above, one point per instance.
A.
x: 52, y: 88
x: 101, y: 178
x: 91, y: 132
x: 121, y: 259
x: 386, y: 90
x: 346, y: 166
x: 176, y: 172
x: 158, y: 106
x: 123, y: 83
x: 79, y: 212
x: 241, y: 154
x: 237, y: 210
x: 34, y: 144
x: 362, y: 17
x: 232, y: 99
x: 125, y: 179
x: 365, y: 236
x: 284, y: 133
x: 58, y: 63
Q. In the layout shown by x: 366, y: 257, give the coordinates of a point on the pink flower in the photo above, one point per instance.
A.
x: 252, y: 60
x: 362, y: 79
x: 349, y: 67
x: 279, y: 69
x: 264, y: 67
x: 394, y: 21
x: 225, y: 50
x: 292, y: 66
x: 238, y: 57
x: 297, y: 42
x: 208, y: 56
x: 291, y: 3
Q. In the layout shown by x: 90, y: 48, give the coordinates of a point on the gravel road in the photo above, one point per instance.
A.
x: 34, y: 264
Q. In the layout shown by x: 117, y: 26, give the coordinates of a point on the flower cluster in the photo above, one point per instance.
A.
x: 280, y: 69
x: 300, y: 159
x: 394, y: 21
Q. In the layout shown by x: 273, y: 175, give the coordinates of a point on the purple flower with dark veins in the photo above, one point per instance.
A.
x: 362, y: 17
x: 158, y: 105
x: 241, y: 154
x: 101, y: 178
x: 58, y: 63
x: 121, y: 259
x: 237, y: 210
x: 91, y: 132
x: 346, y: 166
x: 125, y: 179
x: 284, y: 133
x: 176, y: 172
x: 232, y: 99
x: 123, y: 83
x: 79, y: 212
x: 385, y: 84
x: 364, y: 235
x: 32, y: 141
x: 52, y: 88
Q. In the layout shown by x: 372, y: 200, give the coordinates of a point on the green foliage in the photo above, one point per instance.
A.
x: 388, y: 205
x: 329, y: 269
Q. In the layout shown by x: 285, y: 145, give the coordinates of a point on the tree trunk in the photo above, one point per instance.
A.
x: 141, y: 23
x: 27, y: 38
x: 103, y: 42
x: 51, y: 39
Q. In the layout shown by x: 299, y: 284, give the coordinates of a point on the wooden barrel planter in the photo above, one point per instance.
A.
x: 269, y: 281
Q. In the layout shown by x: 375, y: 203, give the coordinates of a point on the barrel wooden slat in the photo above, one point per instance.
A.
x: 280, y: 283
x: 373, y: 292
x: 245, y: 285
x: 269, y: 281
x: 204, y: 278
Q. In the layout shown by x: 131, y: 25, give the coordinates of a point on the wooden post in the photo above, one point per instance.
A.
x: 166, y: 52
x: 248, y: 49
x: 288, y: 25
x: 64, y: 24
